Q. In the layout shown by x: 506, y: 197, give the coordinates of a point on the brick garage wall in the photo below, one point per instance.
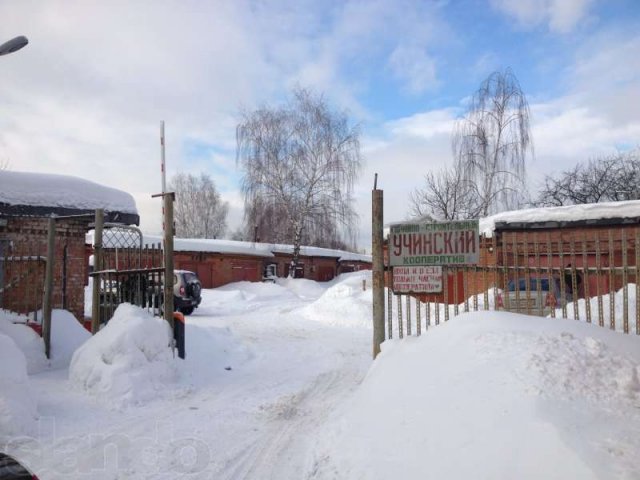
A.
x: 215, y: 269
x: 28, y: 237
x: 320, y: 269
x: 347, y: 266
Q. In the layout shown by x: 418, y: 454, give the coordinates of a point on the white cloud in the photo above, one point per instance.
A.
x: 409, y: 148
x: 86, y: 96
x: 597, y: 114
x: 414, y: 67
x: 424, y: 125
x: 562, y: 16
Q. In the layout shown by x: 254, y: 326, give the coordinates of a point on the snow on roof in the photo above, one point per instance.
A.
x: 571, y: 213
x: 253, y: 249
x: 257, y: 249
x: 322, y: 252
x: 62, y: 191
x: 221, y: 246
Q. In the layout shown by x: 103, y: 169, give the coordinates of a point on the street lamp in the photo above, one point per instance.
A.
x: 13, y: 45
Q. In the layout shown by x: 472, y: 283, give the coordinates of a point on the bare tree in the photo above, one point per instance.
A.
x: 602, y: 179
x: 492, y: 141
x: 199, y: 211
x: 300, y: 162
x: 445, y: 196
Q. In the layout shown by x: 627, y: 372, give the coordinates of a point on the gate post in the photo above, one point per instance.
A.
x: 377, y: 238
x: 48, y: 287
x: 97, y: 266
x: 168, y: 258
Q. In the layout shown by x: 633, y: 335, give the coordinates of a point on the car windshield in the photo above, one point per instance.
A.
x: 188, y: 277
x: 533, y: 284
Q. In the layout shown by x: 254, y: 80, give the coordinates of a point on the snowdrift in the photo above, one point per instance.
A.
x: 128, y: 362
x: 67, y: 334
x: 26, y: 339
x: 618, y: 308
x: 18, y: 405
x: 344, y: 303
x: 513, y: 396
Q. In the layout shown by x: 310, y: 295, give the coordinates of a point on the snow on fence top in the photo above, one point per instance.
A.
x: 590, y: 212
x: 61, y: 191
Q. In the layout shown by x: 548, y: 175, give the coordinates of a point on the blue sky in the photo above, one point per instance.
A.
x: 87, y: 95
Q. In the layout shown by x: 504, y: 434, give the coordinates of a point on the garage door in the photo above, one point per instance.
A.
x: 244, y: 271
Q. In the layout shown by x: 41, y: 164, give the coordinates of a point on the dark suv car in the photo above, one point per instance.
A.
x: 186, y: 291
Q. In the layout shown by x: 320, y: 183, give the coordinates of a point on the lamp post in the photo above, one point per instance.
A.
x: 13, y: 45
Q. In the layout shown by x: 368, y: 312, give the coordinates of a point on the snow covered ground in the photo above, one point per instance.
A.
x: 278, y: 383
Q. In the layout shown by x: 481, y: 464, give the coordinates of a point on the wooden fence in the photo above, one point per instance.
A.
x: 588, y: 275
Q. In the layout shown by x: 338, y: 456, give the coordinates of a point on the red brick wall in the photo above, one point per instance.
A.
x: 353, y: 266
x: 320, y: 269
x: 28, y: 237
x: 215, y: 269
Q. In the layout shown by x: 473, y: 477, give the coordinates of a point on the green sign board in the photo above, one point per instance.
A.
x: 442, y: 243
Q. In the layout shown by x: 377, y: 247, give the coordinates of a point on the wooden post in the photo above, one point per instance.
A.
x: 168, y: 258
x: 48, y: 287
x: 97, y: 266
x: 377, y: 239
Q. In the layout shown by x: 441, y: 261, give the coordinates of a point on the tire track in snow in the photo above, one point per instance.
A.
x: 283, y: 450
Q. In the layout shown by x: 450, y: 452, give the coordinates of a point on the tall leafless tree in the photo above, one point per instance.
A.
x: 603, y: 179
x: 300, y: 162
x: 444, y: 196
x: 199, y: 212
x: 492, y: 141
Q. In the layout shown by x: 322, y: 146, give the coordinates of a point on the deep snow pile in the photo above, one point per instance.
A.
x: 345, y: 302
x: 493, y: 395
x: 25, y: 338
x: 128, y: 361
x: 67, y: 334
x: 618, y: 309
x: 302, y: 287
x: 18, y: 405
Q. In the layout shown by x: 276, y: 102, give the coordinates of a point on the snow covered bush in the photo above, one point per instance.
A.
x: 128, y: 362
x: 18, y: 405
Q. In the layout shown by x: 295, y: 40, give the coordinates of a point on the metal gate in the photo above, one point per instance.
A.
x: 125, y: 270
